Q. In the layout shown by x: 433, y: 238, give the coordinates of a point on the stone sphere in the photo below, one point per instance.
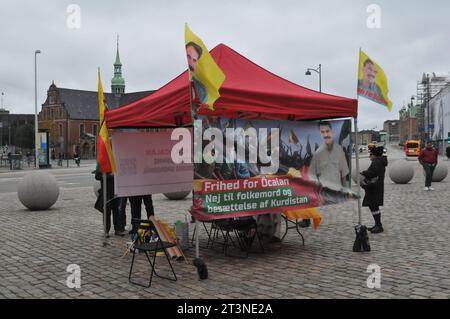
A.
x: 38, y: 191
x: 440, y: 172
x: 363, y: 165
x: 177, y: 195
x: 96, y: 188
x: 401, y: 172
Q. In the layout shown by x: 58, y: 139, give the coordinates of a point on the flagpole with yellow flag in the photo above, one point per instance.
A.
x: 372, y: 84
x: 105, y: 159
x: 205, y: 80
x: 355, y: 122
x: 362, y: 239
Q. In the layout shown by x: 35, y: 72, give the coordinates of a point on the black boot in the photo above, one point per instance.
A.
x: 376, y: 218
x: 378, y: 228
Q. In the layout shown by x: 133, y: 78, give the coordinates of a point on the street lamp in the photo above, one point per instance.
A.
x: 319, y: 71
x: 410, y: 117
x: 36, y: 140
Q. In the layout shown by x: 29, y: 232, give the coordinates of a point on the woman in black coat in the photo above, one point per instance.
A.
x: 375, y: 192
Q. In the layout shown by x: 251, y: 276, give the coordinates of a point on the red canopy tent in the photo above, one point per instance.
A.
x: 249, y: 91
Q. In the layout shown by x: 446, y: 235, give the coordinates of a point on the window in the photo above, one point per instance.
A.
x: 95, y: 130
x: 81, y: 130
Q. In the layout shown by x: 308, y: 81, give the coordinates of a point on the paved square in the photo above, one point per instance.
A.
x: 413, y: 252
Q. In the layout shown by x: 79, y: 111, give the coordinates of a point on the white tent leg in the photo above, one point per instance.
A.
x: 355, y: 121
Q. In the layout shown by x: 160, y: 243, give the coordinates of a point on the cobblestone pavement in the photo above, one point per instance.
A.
x: 413, y: 253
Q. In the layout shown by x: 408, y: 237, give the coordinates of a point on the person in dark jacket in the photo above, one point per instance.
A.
x: 374, y: 196
x: 112, y: 206
x: 428, y: 158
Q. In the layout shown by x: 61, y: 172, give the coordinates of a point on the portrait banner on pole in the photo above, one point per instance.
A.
x: 372, y: 81
x: 270, y: 166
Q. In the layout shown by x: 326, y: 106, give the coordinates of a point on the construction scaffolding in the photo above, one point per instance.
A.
x: 430, y: 85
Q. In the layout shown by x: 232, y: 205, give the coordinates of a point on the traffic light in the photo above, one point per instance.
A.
x: 448, y: 138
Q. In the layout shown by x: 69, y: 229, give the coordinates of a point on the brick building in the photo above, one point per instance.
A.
x: 72, y: 115
x: 366, y: 137
x: 408, y: 123
x: 392, y: 129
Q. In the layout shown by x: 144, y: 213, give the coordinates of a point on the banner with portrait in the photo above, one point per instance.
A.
x: 372, y: 81
x: 205, y: 75
x: 252, y: 167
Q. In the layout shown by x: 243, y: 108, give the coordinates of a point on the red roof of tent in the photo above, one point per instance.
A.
x: 248, y: 91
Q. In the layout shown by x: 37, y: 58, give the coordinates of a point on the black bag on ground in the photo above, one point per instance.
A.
x: 362, y: 239
x: 201, y: 268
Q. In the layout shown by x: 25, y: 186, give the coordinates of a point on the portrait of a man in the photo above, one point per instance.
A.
x: 193, y: 53
x: 328, y: 165
x: 367, y: 83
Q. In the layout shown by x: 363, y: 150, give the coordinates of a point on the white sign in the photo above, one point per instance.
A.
x: 144, y: 164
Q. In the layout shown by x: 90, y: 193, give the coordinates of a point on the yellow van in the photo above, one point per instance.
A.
x: 412, y: 148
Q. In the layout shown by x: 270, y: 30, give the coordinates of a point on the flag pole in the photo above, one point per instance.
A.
x: 358, y: 177
x: 355, y: 122
x: 104, y: 209
x: 197, y: 225
x: 362, y: 239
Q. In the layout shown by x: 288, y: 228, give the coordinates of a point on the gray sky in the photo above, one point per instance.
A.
x: 285, y: 37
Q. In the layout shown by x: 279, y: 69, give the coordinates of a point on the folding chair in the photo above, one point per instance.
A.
x: 152, y: 246
x: 241, y: 227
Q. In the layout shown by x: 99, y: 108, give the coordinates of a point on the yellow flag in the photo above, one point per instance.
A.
x: 204, y: 73
x: 372, y: 81
x: 104, y: 152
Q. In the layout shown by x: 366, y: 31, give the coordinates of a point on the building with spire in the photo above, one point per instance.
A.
x: 71, y: 115
x: 118, y: 82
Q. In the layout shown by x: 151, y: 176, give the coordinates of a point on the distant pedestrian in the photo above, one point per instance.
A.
x: 428, y: 158
x: 29, y: 158
x: 374, y: 188
x: 77, y: 159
